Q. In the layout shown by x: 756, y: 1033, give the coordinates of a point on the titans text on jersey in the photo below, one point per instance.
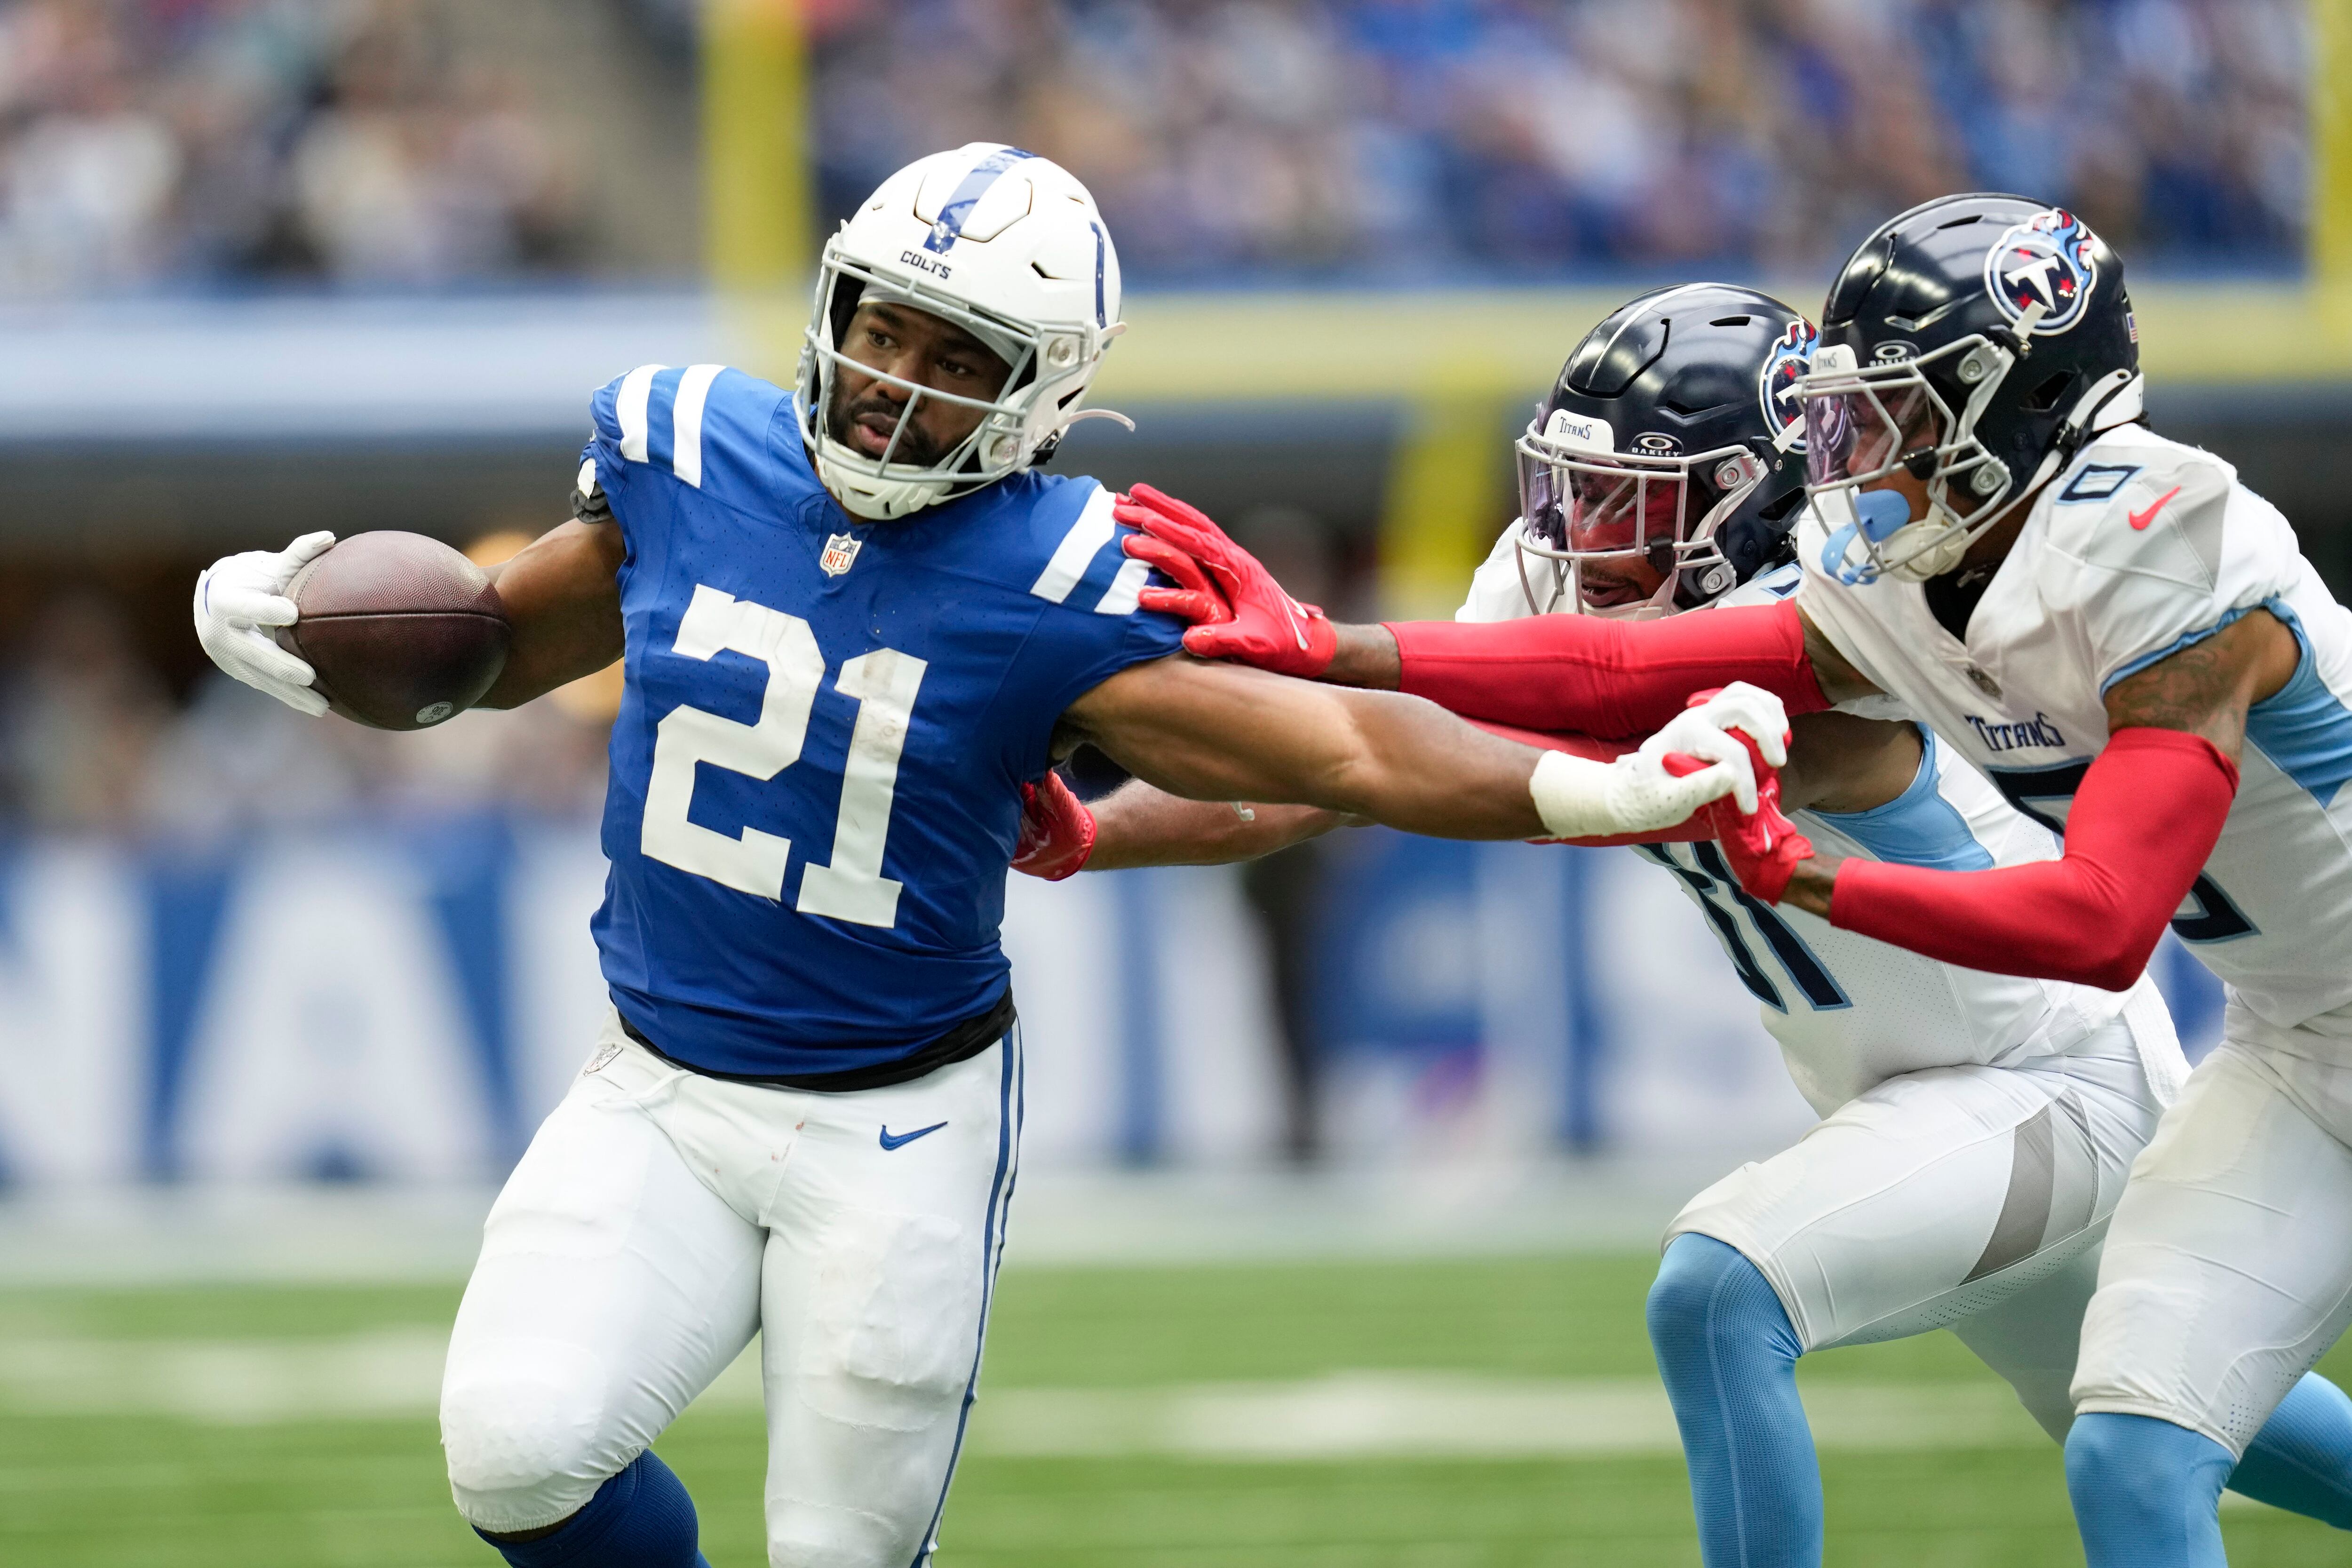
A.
x: 2141, y: 548
x: 1849, y: 1012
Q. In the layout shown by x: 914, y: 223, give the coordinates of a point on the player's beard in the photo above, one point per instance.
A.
x: 916, y: 446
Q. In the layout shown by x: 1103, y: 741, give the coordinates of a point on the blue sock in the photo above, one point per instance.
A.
x: 2302, y: 1458
x: 1729, y: 1361
x: 2146, y: 1492
x: 641, y: 1517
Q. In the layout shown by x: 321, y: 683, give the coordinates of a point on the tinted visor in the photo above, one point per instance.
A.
x: 1864, y: 430
x: 1576, y: 505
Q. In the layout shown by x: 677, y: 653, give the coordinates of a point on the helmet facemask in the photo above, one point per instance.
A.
x: 1018, y: 426
x: 1579, y: 507
x: 1862, y: 425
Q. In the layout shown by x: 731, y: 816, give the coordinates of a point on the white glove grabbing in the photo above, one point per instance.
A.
x: 1700, y: 732
x: 239, y: 598
x: 1580, y: 798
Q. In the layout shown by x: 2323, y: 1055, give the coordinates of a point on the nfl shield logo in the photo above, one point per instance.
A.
x: 840, y: 555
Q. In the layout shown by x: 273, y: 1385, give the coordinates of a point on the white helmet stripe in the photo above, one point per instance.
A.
x: 974, y: 186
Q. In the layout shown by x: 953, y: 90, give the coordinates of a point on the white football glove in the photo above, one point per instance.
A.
x: 1580, y: 798
x: 239, y: 598
x: 1700, y: 732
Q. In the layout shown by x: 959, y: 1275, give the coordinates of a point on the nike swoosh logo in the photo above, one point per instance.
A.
x: 903, y: 1139
x: 1290, y: 614
x: 2140, y: 519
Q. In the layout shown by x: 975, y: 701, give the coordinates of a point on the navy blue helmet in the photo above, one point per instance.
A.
x: 1977, y: 341
x: 1672, y: 441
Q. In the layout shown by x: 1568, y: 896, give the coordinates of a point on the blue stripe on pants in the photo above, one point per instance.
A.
x: 1010, y: 1094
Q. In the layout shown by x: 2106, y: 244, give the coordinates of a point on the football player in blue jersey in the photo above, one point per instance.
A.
x: 1977, y: 1129
x: 855, y: 624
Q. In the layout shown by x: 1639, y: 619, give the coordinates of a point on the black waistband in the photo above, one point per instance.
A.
x: 961, y: 1042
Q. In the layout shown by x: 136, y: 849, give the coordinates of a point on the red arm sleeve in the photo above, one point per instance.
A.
x: 1575, y: 745
x: 2143, y: 824
x: 1604, y: 677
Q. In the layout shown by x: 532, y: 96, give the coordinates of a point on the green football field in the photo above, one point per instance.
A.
x: 1415, y: 1415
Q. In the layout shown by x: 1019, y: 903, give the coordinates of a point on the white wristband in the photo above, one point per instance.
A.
x: 1571, y: 795
x: 1580, y: 798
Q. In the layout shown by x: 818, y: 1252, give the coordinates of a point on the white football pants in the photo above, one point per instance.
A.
x: 2229, y: 1267
x: 1971, y: 1198
x: 660, y: 1218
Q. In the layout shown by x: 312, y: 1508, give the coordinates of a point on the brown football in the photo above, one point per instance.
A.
x: 402, y: 630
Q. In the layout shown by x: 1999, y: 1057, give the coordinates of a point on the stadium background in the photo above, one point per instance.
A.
x: 1343, y: 1166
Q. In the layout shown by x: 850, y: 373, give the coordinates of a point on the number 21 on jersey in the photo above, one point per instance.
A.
x: 883, y: 683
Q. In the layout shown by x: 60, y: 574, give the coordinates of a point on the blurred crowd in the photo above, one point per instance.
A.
x: 194, y: 142
x: 1413, y: 139
x: 211, y: 141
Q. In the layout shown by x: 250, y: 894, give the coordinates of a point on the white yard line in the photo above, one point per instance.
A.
x: 1441, y: 1414
x: 1356, y: 1414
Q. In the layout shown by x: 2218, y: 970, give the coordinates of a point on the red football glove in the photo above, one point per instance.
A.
x: 1195, y: 599
x: 1763, y: 847
x: 1267, y: 628
x: 1057, y: 831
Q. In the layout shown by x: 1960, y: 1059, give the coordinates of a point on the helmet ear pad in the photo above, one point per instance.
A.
x: 1757, y: 535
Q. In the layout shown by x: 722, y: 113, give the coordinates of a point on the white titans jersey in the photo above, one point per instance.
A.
x: 2140, y: 548
x: 1850, y: 1011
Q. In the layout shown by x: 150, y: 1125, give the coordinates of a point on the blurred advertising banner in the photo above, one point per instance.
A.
x: 401, y: 1001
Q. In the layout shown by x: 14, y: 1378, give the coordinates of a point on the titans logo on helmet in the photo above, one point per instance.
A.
x: 2048, y: 259
x: 1775, y: 383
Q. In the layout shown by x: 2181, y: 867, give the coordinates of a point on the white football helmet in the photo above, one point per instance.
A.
x: 1007, y: 245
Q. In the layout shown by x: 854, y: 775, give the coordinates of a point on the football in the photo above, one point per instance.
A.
x: 402, y: 630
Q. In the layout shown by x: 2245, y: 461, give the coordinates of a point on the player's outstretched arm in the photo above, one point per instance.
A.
x: 1546, y: 672
x: 562, y: 595
x: 1221, y: 732
x: 1139, y: 824
x: 2142, y: 825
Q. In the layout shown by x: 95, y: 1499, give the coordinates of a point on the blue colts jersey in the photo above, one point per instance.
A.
x: 816, y: 769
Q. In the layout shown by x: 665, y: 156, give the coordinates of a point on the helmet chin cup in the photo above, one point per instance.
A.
x: 863, y: 495
x: 1928, y: 548
x: 1880, y: 530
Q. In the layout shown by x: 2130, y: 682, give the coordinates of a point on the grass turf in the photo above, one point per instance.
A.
x: 144, y: 1492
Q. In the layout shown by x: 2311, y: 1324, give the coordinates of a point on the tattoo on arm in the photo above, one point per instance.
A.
x: 2207, y: 687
